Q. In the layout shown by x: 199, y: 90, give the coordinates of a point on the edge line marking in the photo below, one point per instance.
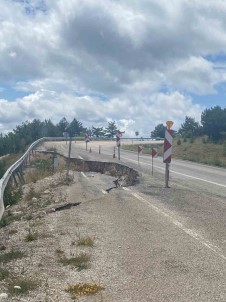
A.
x: 178, y: 224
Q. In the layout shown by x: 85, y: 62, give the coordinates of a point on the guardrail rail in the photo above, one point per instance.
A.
x: 18, y: 165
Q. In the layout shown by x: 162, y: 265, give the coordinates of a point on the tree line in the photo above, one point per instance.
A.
x: 213, y: 124
x: 23, y: 135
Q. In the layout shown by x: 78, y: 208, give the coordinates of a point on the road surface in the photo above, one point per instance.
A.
x: 173, y: 240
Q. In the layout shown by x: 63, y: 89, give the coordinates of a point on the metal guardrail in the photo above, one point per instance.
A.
x: 4, y: 180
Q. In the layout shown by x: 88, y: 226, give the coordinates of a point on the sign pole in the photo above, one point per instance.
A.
x: 167, y: 176
x: 87, y: 140
x: 152, y: 166
x: 139, y: 149
x: 118, y: 141
x: 69, y: 156
x: 154, y: 153
x: 167, y: 151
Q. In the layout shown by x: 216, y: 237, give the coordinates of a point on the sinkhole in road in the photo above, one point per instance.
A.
x: 125, y: 176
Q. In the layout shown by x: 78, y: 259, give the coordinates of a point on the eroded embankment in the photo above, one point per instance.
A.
x: 125, y: 173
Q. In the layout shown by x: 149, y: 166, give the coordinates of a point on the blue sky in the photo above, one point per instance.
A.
x: 139, y: 63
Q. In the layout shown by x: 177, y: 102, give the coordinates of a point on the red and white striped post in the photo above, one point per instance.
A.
x: 167, y: 152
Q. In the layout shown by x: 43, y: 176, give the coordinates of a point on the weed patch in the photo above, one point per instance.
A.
x: 81, y: 261
x: 86, y: 241
x: 22, y: 286
x: 11, y: 196
x: 3, y: 274
x: 83, y: 289
x: 32, y: 193
x: 12, y: 255
x: 59, y: 252
x: 31, y: 236
x: 36, y: 175
x: 9, y: 219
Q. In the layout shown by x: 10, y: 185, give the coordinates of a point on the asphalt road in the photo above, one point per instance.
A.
x: 178, y: 233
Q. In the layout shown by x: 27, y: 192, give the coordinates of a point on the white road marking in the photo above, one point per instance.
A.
x: 186, y: 175
x: 189, y: 232
x: 83, y: 174
x: 211, y: 182
x: 102, y: 190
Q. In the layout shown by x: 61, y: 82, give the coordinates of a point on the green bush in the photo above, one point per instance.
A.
x: 43, y: 165
x: 2, y: 168
x: 179, y: 142
x: 11, y: 196
x: 224, y: 149
x: 192, y: 140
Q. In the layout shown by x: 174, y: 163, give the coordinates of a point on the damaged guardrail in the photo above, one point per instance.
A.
x: 17, y: 168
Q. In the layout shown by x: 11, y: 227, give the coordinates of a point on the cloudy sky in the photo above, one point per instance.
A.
x: 136, y: 62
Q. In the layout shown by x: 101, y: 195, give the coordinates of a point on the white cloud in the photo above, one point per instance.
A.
x: 195, y: 75
x: 129, y: 115
x: 135, y: 62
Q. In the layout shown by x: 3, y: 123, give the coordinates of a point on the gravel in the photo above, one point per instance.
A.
x: 138, y: 254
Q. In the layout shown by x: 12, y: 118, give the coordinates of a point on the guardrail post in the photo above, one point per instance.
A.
x: 14, y: 178
x: 21, y: 174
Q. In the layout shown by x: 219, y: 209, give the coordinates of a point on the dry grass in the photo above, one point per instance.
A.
x: 35, y: 175
x: 83, y: 289
x: 31, y: 236
x: 196, y: 150
x: 12, y: 255
x: 32, y: 193
x: 86, y: 241
x: 146, y: 148
x: 81, y: 261
x: 22, y: 285
x: 3, y: 274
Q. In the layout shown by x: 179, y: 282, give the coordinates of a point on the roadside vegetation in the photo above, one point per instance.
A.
x: 24, y: 221
x: 203, y: 142
x: 198, y: 150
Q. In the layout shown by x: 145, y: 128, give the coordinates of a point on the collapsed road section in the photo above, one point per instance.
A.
x: 125, y: 175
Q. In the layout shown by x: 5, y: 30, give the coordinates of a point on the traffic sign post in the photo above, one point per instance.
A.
x: 167, y: 153
x: 66, y: 135
x: 114, y: 153
x: 69, y: 157
x: 154, y: 153
x: 87, y: 140
x: 139, y: 150
x: 118, y: 141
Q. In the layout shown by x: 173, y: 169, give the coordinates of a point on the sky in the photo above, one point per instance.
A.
x: 136, y: 62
